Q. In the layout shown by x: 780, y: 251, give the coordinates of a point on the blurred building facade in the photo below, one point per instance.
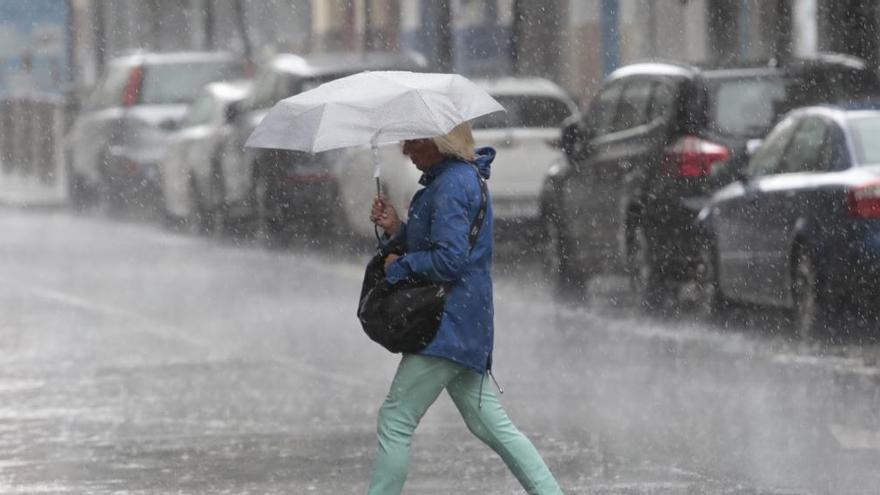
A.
x: 575, y: 42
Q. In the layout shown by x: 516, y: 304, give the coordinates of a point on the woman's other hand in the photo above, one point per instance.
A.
x: 385, y: 216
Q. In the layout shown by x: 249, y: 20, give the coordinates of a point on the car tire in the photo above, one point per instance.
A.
x: 709, y: 302
x: 343, y: 236
x: 644, y: 276
x: 270, y: 227
x: 81, y: 196
x: 201, y: 216
x: 248, y: 224
x: 192, y: 221
x: 812, y: 313
x: 216, y: 212
x: 570, y: 282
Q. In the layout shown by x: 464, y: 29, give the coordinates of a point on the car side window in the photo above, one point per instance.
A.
x: 662, y: 102
x: 632, y: 111
x: 600, y: 118
x: 767, y: 159
x: 833, y: 153
x: 803, y: 154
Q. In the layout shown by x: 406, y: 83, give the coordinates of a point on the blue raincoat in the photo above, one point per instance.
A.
x: 435, y: 240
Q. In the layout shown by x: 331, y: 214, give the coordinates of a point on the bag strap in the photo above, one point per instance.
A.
x: 477, y: 224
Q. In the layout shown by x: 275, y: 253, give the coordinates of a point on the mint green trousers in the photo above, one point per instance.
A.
x: 417, y: 384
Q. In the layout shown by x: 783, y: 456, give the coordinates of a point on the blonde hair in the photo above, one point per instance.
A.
x: 459, y: 142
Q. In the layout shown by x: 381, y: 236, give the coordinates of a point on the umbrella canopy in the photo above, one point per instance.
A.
x: 372, y: 108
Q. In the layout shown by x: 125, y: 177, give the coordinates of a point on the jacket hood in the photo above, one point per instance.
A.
x: 483, y: 160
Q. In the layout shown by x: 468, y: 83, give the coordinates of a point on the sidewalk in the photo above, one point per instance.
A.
x: 29, y: 192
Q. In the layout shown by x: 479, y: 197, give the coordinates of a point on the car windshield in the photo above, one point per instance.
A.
x: 171, y: 83
x: 525, y: 111
x: 864, y: 130
x: 745, y: 106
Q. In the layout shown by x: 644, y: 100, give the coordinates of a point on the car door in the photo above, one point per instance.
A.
x: 578, y: 208
x: 734, y: 212
x: 781, y: 199
x: 654, y: 135
x: 95, y: 127
x: 620, y: 144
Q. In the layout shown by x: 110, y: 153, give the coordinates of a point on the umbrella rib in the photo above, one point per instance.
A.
x: 318, y: 127
x: 431, y: 111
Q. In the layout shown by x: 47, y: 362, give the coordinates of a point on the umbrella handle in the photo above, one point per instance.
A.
x: 374, y: 143
x: 376, y: 170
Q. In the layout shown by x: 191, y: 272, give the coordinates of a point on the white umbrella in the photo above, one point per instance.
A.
x: 372, y: 108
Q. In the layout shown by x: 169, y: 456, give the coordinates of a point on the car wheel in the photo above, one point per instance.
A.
x: 645, y: 280
x: 569, y: 281
x: 193, y: 220
x: 269, y: 225
x: 215, y: 211
x: 81, y: 196
x: 202, y: 214
x: 811, y: 312
x: 342, y: 233
x: 709, y: 302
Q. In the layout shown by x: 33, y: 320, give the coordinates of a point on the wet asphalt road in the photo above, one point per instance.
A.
x: 133, y: 360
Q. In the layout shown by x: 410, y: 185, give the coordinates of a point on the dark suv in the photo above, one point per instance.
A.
x: 655, y: 142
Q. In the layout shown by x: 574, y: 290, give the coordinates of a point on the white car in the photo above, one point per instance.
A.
x: 526, y: 138
x: 192, y: 173
x: 116, y: 142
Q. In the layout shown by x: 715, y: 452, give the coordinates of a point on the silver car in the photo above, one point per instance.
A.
x: 192, y: 173
x: 116, y: 142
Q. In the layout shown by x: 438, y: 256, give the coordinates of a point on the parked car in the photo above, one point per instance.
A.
x: 267, y: 185
x: 192, y: 171
x: 116, y: 142
x: 527, y: 135
x: 526, y: 138
x: 645, y: 157
x: 801, y: 227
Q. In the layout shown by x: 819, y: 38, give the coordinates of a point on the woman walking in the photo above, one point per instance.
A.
x: 436, y: 248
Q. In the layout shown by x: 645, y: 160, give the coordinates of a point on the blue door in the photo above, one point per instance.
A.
x: 781, y: 200
x: 739, y: 227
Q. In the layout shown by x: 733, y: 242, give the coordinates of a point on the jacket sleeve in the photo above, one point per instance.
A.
x: 449, y: 250
x: 398, y: 239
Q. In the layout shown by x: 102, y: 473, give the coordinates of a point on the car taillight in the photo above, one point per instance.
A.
x: 133, y: 87
x: 132, y: 167
x: 864, y: 200
x: 691, y: 156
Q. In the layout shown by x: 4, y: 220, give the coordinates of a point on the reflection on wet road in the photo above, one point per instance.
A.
x: 137, y: 361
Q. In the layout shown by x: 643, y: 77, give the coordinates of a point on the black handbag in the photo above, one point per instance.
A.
x: 404, y: 317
